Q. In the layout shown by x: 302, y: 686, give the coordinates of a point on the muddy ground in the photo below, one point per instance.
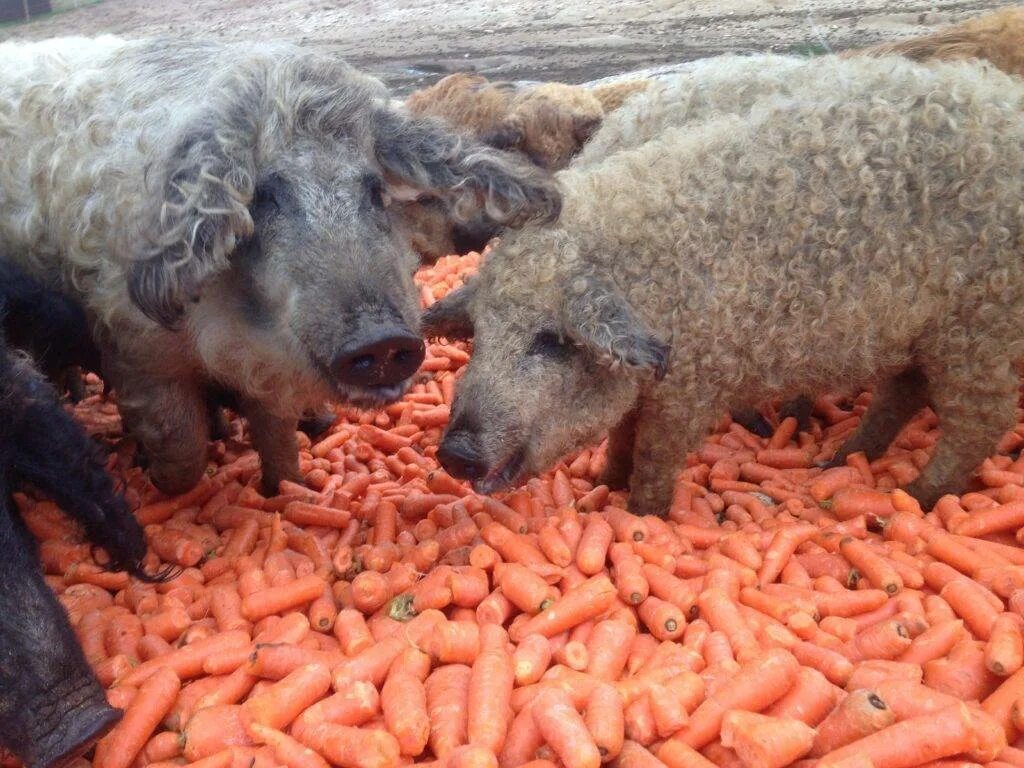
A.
x: 412, y: 42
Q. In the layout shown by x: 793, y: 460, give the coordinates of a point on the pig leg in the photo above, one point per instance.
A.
x: 619, y: 455
x: 663, y: 437
x: 751, y: 420
x: 800, y: 407
x: 274, y: 440
x: 976, y: 407
x: 52, y: 709
x: 315, y: 423
x: 895, y: 402
x: 169, y: 418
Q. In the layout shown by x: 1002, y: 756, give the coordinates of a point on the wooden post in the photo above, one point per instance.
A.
x: 24, y: 5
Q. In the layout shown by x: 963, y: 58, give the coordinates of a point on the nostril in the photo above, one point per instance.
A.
x: 363, y: 362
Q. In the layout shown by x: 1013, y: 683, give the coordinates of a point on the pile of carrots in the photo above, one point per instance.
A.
x: 383, y: 614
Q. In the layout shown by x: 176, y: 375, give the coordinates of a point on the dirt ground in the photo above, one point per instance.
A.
x: 412, y: 42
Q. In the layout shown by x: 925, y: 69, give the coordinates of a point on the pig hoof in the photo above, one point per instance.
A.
x: 270, y: 484
x: 76, y: 732
x: 754, y: 422
x: 316, y: 424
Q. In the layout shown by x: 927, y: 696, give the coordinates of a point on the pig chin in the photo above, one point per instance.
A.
x: 375, y: 397
x: 507, y: 473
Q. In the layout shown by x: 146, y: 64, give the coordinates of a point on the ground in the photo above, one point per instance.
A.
x: 412, y: 42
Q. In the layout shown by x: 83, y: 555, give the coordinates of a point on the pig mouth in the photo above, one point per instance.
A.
x: 372, y: 397
x: 504, y: 475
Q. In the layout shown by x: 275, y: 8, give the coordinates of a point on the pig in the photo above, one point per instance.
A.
x: 52, y: 708
x: 870, y: 234
x: 219, y: 210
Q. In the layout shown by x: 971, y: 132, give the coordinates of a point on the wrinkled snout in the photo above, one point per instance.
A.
x: 385, y: 358
x: 461, y: 456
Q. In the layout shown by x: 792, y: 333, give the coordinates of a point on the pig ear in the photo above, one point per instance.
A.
x: 600, y: 319
x: 200, y: 201
x: 450, y: 316
x: 470, y: 176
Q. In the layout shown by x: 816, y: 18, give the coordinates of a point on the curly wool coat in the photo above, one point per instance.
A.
x: 861, y: 223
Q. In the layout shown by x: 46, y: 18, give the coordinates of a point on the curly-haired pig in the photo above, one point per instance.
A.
x: 219, y: 210
x: 872, y: 235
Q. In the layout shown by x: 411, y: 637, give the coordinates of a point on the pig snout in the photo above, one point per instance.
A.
x: 461, y: 453
x: 472, y: 237
x: 383, y: 358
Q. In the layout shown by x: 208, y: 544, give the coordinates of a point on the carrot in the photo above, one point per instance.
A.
x: 664, y: 620
x: 759, y: 683
x: 810, y: 699
x: 912, y: 742
x: 766, y: 742
x: 965, y: 599
x: 370, y: 664
x: 352, y: 633
x: 354, y: 705
x: 848, y: 503
x: 935, y: 642
x: 879, y: 573
x: 289, y: 752
x: 186, y: 662
x: 723, y: 615
x: 283, y: 598
x: 608, y: 648
x: 531, y: 659
x: 1004, y: 652
x: 212, y: 729
x: 564, y: 730
x: 676, y: 753
x: 404, y: 702
x: 1005, y: 517
x: 605, y: 720
x: 630, y: 581
x: 490, y: 690
x: 593, y: 546
x: 454, y: 642
x: 282, y: 702
x: 120, y: 747
x: 1000, y: 702
x: 524, y: 588
x: 350, y: 747
x: 861, y: 713
x: 834, y: 666
x: 581, y: 603
x: 447, y: 690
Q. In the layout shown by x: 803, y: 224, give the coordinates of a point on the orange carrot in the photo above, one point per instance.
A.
x: 608, y: 648
x: 767, y: 742
x: 760, y: 682
x: 564, y: 730
x: 593, y: 546
x: 605, y: 720
x: 282, y: 702
x: 290, y: 752
x: 858, y: 715
x: 912, y: 742
x: 581, y: 603
x: 404, y: 702
x: 283, y: 598
x: 1004, y: 653
x: 119, y: 748
x: 531, y: 659
x: 490, y: 690
x: 350, y: 747
x: 810, y: 699
x: 447, y: 691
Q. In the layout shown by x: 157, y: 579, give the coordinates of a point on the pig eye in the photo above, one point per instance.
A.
x: 549, y: 344
x: 267, y: 197
x: 374, y: 187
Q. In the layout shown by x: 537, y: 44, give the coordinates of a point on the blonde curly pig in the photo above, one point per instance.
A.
x: 867, y: 233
